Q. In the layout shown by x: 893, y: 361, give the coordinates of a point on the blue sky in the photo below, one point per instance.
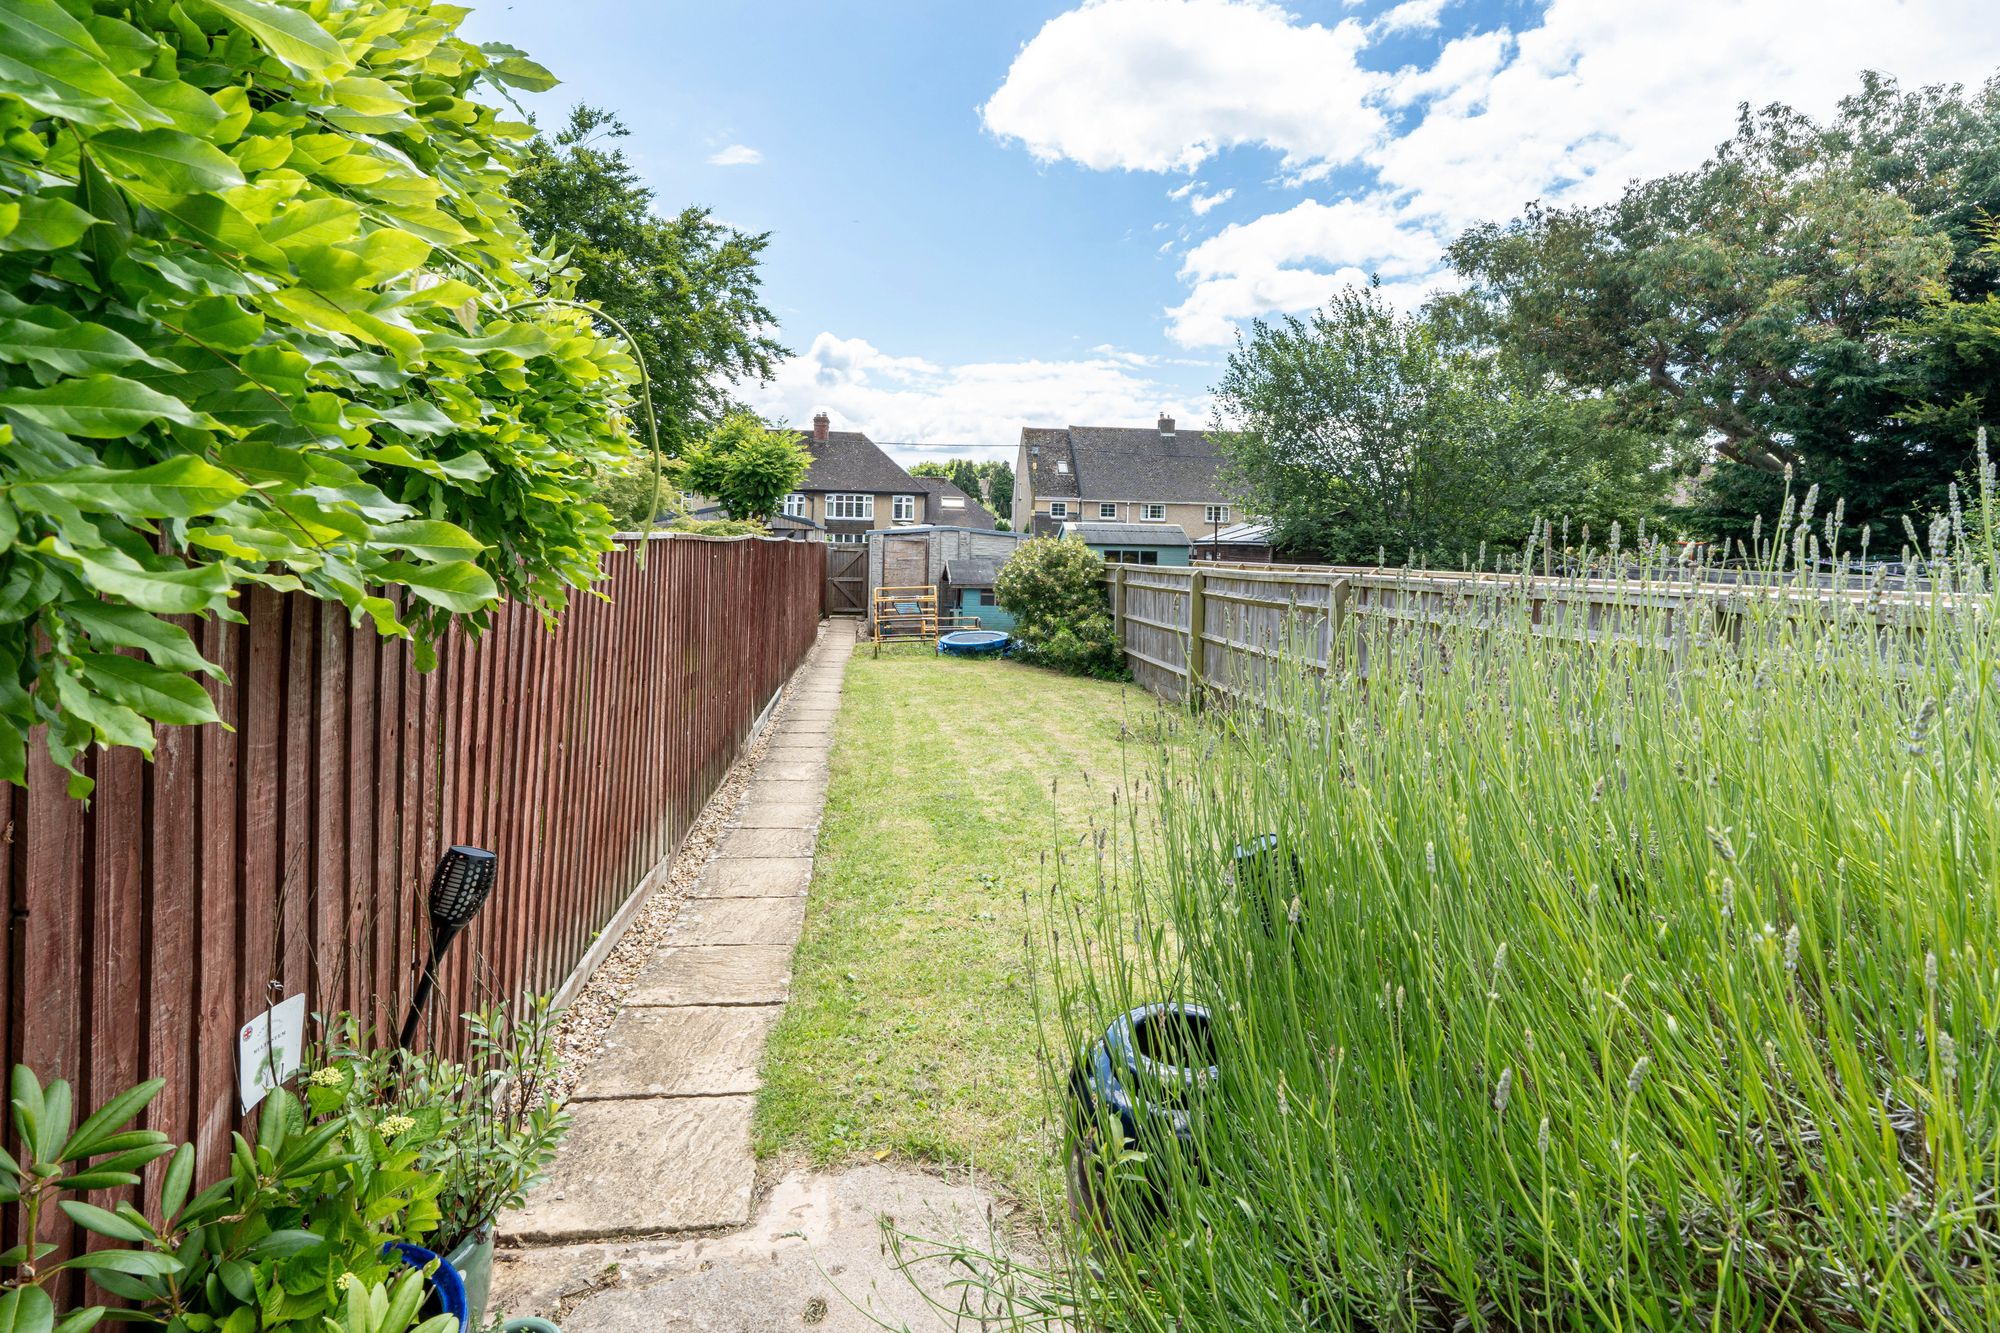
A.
x: 990, y: 216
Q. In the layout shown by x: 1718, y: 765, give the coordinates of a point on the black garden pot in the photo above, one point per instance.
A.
x: 1140, y: 1082
x: 1266, y: 879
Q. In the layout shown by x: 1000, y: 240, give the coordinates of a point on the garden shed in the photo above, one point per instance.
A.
x: 1133, y: 543
x: 918, y: 556
x: 967, y: 590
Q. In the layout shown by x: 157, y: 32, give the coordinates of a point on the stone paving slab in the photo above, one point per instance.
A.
x: 715, y: 974
x: 714, y: 921
x: 790, y: 790
x: 686, y: 1052
x: 755, y: 877
x: 644, y: 1165
x: 767, y: 842
x: 778, y: 814
x: 794, y: 770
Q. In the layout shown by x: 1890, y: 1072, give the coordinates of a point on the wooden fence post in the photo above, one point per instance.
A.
x: 1197, y: 654
x: 1118, y: 605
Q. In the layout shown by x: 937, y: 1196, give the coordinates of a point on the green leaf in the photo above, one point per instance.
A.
x: 132, y: 1263
x: 174, y: 1187
x: 113, y: 724
x: 46, y: 223
x: 27, y: 1310
x: 180, y: 487
x: 219, y: 322
x: 113, y: 625
x: 78, y: 1321
x: 165, y: 160
x: 171, y: 592
x: 284, y: 1244
x: 90, y: 1136
x: 102, y: 1221
x: 429, y: 539
x: 455, y: 585
x: 49, y: 60
x: 99, y: 407
x: 287, y: 33
x: 70, y: 349
x: 163, y: 696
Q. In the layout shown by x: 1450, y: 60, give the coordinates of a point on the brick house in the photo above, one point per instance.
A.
x: 853, y: 487
x: 1119, y: 474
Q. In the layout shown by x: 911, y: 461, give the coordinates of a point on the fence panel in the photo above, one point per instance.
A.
x: 290, y: 851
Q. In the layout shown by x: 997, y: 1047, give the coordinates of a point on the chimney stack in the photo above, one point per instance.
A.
x: 820, y: 424
x: 1166, y: 426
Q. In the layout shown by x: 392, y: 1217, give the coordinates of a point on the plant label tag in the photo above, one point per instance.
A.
x: 270, y: 1049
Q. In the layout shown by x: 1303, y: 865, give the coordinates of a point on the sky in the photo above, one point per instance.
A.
x: 985, y: 216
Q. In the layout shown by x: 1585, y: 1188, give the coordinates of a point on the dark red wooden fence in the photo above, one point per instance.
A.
x: 296, y: 845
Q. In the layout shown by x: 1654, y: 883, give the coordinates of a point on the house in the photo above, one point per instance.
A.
x: 853, y: 488
x: 1133, y: 543
x: 1118, y: 474
x: 952, y: 507
x: 781, y: 525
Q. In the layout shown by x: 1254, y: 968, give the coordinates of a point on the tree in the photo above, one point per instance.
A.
x: 999, y: 479
x: 1748, y: 309
x: 1054, y: 589
x: 266, y: 322
x: 960, y: 472
x: 745, y: 466
x: 1362, y: 430
x: 686, y: 286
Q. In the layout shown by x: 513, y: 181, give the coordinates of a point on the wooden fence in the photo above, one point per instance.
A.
x: 1251, y: 615
x: 290, y: 851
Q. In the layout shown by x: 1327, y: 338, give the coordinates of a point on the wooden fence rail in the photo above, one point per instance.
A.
x: 290, y: 851
x: 1250, y: 615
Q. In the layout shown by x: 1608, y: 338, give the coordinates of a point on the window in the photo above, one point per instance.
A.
x: 1152, y: 513
x: 1107, y: 509
x: 847, y: 538
x: 847, y: 505
x: 903, y: 508
x: 1058, y: 509
x: 953, y: 501
x: 1132, y: 557
x: 1062, y: 466
x: 690, y: 501
x: 1216, y: 514
x: 797, y: 506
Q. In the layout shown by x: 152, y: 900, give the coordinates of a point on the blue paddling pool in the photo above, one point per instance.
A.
x: 973, y: 642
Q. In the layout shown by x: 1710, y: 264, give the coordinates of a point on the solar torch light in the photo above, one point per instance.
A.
x: 459, y: 887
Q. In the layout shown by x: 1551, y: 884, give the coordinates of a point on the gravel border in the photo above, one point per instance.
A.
x: 581, y: 1028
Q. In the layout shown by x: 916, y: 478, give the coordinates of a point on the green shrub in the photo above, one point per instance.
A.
x: 1643, y: 983
x: 267, y: 317
x: 1054, y: 589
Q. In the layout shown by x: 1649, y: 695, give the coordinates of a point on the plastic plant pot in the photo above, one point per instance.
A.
x: 1266, y: 879
x: 447, y: 1294
x: 1140, y: 1082
x: 473, y: 1259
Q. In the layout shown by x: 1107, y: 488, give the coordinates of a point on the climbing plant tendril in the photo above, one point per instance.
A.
x: 267, y: 318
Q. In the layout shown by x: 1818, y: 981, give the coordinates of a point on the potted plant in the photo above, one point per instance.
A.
x: 291, y: 1239
x: 500, y: 1124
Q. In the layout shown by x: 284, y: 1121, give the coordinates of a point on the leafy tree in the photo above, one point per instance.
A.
x: 1361, y: 430
x: 1054, y: 589
x: 268, y: 318
x: 1748, y: 308
x: 960, y: 472
x: 745, y: 466
x: 686, y: 286
x: 998, y: 477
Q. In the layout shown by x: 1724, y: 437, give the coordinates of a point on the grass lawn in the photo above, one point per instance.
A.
x: 911, y: 1028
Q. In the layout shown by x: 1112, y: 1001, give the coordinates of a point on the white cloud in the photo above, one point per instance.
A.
x: 1201, y: 203
x: 736, y: 155
x: 1592, y: 94
x: 1163, y: 85
x: 979, y: 406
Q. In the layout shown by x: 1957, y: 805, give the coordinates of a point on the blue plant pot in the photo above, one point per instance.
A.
x: 1141, y: 1082
x: 447, y: 1295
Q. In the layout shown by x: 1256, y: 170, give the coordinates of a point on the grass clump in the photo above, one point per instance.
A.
x: 1650, y: 982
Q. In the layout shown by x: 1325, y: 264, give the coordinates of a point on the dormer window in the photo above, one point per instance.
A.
x: 954, y: 502
x: 1062, y: 466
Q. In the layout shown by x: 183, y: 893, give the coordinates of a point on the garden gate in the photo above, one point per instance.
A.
x: 846, y: 580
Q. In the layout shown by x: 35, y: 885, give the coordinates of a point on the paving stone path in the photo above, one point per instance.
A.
x: 651, y: 1221
x: 661, y: 1138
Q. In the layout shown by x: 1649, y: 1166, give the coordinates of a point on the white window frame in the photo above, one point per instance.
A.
x: 903, y: 508
x: 952, y: 501
x: 851, y: 505
x: 1058, y: 509
x: 1107, y: 509
x: 1153, y: 511
x: 1216, y: 514
x: 797, y: 505
x: 1062, y: 466
x: 847, y: 538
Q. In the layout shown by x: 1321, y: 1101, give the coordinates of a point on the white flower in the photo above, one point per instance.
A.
x: 1638, y: 1074
x: 393, y: 1125
x: 1504, y: 1092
